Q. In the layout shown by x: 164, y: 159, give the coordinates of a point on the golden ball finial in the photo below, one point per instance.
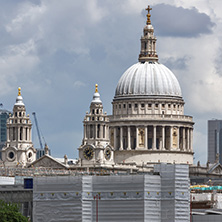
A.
x: 148, y: 22
x: 96, y: 90
x: 19, y: 91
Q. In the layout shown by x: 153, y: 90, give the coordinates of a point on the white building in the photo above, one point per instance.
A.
x: 148, y: 124
x: 19, y: 150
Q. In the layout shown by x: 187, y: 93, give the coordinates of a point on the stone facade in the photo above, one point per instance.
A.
x: 96, y: 148
x: 19, y: 150
x: 147, y: 125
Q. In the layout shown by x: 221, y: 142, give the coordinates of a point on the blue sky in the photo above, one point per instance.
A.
x: 57, y: 50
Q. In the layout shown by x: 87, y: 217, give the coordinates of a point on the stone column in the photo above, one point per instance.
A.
x: 153, y: 108
x: 128, y: 138
x: 95, y: 131
x: 30, y: 134
x: 146, y: 137
x: 107, y: 132
x: 191, y: 139
x: 184, y: 136
x: 23, y: 133
x: 178, y: 138
x: 115, y: 138
x: 188, y: 139
x: 121, y: 138
x: 8, y: 134
x: 85, y: 129
x: 137, y: 137
x: 171, y: 139
x: 163, y: 137
x: 100, y: 131
x: 154, y: 138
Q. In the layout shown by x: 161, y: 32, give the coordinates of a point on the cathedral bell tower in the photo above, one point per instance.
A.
x: 95, y: 148
x: 19, y: 150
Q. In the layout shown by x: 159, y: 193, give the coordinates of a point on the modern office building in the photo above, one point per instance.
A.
x: 4, y: 114
x: 214, y: 140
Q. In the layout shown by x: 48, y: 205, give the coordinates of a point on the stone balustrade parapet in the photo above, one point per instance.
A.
x: 151, y: 117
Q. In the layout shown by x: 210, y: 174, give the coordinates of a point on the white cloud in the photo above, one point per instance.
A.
x: 78, y: 84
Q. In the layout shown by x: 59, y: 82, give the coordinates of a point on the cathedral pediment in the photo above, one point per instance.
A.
x: 215, y: 169
x: 48, y: 161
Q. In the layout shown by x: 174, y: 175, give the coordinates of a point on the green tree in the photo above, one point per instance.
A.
x: 9, y: 212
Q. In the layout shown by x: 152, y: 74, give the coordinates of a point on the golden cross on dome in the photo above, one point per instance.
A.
x: 96, y: 90
x: 19, y: 91
x: 148, y: 22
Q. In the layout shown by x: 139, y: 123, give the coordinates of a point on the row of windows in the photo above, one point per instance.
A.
x: 19, y: 114
x: 95, y: 118
x: 96, y: 111
x: 19, y: 121
x: 149, y: 105
x: 15, y: 131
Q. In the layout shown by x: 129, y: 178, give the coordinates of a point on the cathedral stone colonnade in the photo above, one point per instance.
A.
x: 152, y: 137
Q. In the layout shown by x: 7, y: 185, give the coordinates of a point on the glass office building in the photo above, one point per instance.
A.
x: 214, y: 140
x: 4, y: 114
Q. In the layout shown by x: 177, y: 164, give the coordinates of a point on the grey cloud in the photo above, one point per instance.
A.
x: 218, y: 62
x: 176, y: 63
x: 179, y: 22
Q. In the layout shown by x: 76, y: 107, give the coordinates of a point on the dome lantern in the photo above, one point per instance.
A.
x: 19, y: 99
x: 148, y: 42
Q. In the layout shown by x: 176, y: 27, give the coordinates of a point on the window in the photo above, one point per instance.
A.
x: 130, y: 106
x: 124, y: 106
x: 163, y: 105
x: 142, y: 105
x: 11, y: 155
x: 15, y: 114
x: 169, y: 105
x: 149, y: 105
x: 136, y: 105
x: 93, y: 111
x: 174, y: 106
x: 156, y: 105
x: 119, y: 106
x: 97, y: 111
x: 20, y: 114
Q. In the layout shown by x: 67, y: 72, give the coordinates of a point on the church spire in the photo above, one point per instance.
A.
x: 148, y: 42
